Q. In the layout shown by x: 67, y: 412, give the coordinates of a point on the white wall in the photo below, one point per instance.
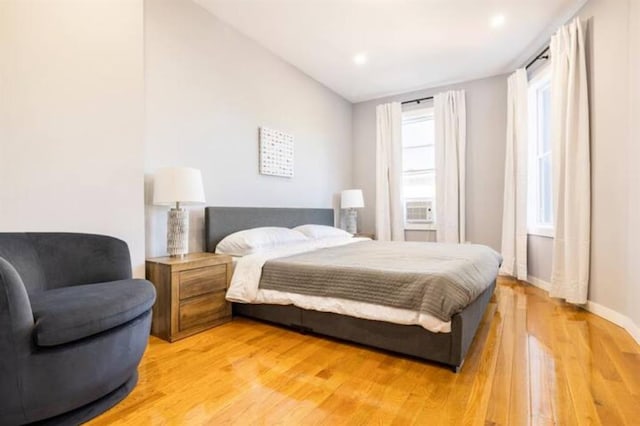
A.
x: 486, y: 130
x: 633, y: 278
x: 208, y: 89
x: 71, y: 105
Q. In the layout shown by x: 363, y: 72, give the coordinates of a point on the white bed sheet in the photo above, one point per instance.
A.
x: 245, y: 282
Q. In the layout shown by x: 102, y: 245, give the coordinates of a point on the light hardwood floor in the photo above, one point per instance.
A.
x: 534, y: 361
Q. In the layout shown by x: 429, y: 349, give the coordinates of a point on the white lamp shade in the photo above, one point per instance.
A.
x: 351, y: 199
x: 178, y: 185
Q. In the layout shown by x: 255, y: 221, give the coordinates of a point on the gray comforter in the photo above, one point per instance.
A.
x: 433, y: 278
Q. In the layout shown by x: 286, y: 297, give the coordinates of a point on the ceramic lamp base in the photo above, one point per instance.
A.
x: 352, y: 221
x: 178, y: 232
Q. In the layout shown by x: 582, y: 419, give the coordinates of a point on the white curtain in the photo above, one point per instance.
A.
x: 389, y: 211
x: 450, y: 150
x: 514, y: 212
x: 571, y: 165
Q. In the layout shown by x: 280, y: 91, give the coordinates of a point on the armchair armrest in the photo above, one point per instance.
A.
x: 16, y: 320
x: 15, y: 308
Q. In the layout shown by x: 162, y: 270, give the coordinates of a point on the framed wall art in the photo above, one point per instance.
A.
x: 276, y: 153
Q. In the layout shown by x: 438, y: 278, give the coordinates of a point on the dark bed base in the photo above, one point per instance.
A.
x: 413, y: 340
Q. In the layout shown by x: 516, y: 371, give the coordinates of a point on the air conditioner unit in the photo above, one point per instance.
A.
x: 418, y: 211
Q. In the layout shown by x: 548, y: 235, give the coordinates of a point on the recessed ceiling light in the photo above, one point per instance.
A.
x: 497, y: 21
x: 360, y: 59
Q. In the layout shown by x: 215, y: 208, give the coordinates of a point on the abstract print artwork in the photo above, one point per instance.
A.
x: 276, y: 153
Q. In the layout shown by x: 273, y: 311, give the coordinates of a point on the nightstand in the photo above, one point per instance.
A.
x: 190, y: 293
x: 365, y: 235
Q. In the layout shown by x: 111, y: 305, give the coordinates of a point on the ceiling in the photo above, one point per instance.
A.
x: 407, y: 44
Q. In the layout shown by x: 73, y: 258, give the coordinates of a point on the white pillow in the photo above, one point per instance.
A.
x: 318, y: 232
x: 249, y: 241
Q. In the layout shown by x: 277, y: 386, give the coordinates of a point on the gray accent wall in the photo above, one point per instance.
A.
x: 486, y: 130
x: 613, y: 50
x: 608, y: 58
x: 208, y: 89
x: 420, y: 235
x: 539, y: 250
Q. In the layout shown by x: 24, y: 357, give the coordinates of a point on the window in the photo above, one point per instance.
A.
x: 418, y: 168
x: 540, y: 215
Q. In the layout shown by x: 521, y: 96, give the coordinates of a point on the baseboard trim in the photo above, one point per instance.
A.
x: 615, y: 317
x: 597, y: 309
x: 634, y: 330
x: 537, y: 282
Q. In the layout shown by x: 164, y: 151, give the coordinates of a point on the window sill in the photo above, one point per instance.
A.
x: 541, y: 232
x: 416, y: 227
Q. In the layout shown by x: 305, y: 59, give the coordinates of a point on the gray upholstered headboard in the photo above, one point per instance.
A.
x: 222, y: 221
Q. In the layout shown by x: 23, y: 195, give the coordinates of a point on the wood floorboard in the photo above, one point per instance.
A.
x: 534, y: 360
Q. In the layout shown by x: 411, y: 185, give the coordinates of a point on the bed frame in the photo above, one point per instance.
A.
x: 413, y: 340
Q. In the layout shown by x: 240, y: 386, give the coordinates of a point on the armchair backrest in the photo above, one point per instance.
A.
x: 46, y: 261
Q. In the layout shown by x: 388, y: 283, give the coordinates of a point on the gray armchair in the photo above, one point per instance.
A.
x: 73, y: 326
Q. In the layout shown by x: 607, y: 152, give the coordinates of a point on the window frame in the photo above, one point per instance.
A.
x: 429, y: 112
x: 539, y: 81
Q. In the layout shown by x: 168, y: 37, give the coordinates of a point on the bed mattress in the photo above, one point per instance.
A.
x: 404, y: 283
x: 437, y: 279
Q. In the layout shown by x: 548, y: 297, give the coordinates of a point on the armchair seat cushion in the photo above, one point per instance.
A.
x: 72, y: 313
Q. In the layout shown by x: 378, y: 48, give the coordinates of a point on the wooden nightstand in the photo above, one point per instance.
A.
x: 365, y: 235
x: 191, y: 291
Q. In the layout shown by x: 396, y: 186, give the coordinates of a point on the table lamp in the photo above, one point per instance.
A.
x: 352, y: 199
x: 178, y: 186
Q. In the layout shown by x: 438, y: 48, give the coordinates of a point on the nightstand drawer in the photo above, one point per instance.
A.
x: 196, y: 282
x: 202, y: 310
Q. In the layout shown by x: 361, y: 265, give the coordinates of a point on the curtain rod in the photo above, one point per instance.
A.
x: 540, y: 56
x: 417, y: 100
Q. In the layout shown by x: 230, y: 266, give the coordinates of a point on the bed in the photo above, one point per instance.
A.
x: 447, y: 348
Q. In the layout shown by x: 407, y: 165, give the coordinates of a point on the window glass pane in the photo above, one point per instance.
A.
x: 418, y: 131
x: 540, y: 202
x: 418, y: 163
x: 418, y: 158
x: 545, y: 212
x: 419, y: 185
x: 545, y: 119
